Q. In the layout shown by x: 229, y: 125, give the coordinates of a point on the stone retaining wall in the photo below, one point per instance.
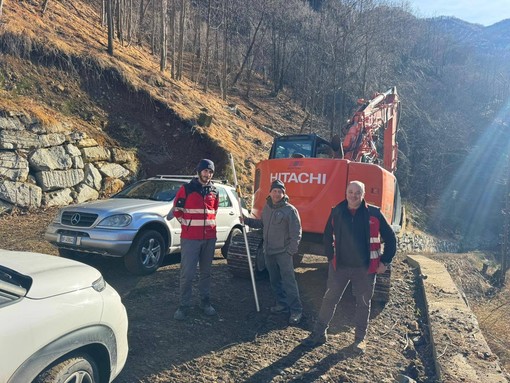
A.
x: 43, y: 166
x: 410, y: 242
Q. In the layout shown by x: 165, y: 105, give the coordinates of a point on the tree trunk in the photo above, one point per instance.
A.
x: 207, y: 46
x: 120, y: 28
x: 130, y: 22
x: 180, y: 48
x: 162, y: 63
x: 248, y: 53
x: 195, y: 62
x: 141, y: 16
x: 225, y: 53
x: 172, y: 39
x: 45, y: 4
x: 109, y: 18
x: 104, y: 21
x: 153, y: 35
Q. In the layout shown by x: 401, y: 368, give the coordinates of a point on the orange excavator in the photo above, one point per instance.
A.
x: 316, y: 173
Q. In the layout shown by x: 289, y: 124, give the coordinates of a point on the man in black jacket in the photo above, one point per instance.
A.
x: 352, y: 241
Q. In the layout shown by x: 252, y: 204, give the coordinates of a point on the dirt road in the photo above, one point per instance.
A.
x: 241, y: 344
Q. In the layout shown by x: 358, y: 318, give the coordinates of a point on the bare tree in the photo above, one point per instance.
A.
x: 45, y: 4
x: 164, y: 9
x: 249, y: 50
x: 154, y: 27
x: 223, y: 81
x: 172, y: 37
x: 109, y: 18
x: 207, y: 45
x: 180, y: 48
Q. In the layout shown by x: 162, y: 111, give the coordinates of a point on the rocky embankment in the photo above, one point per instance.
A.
x: 44, y: 166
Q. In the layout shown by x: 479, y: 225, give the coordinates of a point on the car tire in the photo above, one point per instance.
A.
x: 146, y: 253
x: 235, y: 231
x: 75, y: 368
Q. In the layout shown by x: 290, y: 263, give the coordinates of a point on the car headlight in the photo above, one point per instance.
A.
x: 57, y: 217
x: 118, y: 220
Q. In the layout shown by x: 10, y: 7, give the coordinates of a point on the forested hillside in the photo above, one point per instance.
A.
x: 142, y: 71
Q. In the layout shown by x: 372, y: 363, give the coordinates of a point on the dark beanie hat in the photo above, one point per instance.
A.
x: 205, y: 164
x: 277, y: 184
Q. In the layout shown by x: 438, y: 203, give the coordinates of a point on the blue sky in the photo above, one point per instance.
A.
x: 485, y: 12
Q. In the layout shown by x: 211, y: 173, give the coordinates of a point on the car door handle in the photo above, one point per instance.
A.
x: 231, y: 213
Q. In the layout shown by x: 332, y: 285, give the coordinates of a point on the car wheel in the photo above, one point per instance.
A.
x: 224, y: 250
x: 146, y: 253
x: 75, y: 369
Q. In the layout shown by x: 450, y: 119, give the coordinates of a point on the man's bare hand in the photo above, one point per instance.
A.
x: 381, y: 268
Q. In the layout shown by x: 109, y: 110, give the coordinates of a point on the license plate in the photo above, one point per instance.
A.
x: 68, y: 239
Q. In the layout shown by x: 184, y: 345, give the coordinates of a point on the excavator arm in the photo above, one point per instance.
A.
x: 381, y: 113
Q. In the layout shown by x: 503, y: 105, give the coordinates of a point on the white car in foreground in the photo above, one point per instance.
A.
x: 60, y: 322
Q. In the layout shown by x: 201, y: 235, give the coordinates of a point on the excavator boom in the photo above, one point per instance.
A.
x: 380, y: 114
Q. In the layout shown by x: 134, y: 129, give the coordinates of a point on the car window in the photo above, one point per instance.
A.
x: 224, y: 199
x: 244, y: 205
x: 157, y: 190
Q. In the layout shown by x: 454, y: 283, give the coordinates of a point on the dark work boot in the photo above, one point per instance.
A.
x: 317, y: 337
x: 182, y: 313
x: 359, y: 346
x: 207, y: 308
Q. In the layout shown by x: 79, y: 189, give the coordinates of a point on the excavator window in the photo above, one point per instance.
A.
x: 292, y: 148
x: 301, y: 146
x: 324, y: 150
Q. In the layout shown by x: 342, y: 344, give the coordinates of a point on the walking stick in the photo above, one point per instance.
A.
x: 238, y: 190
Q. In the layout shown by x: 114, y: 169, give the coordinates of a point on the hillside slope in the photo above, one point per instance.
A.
x: 55, y: 67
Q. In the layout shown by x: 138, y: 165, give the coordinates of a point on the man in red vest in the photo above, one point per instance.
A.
x: 195, y: 207
x: 352, y: 242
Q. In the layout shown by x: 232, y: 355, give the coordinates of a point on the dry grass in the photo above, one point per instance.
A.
x: 491, y: 306
x: 493, y: 319
x: 65, y: 33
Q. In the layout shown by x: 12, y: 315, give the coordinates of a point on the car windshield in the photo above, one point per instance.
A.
x: 156, y: 190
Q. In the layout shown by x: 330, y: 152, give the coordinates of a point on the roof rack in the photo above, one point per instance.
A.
x: 165, y: 176
x: 173, y: 176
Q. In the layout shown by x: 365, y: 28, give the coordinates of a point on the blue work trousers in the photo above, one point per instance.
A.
x: 193, y: 252
x: 283, y: 281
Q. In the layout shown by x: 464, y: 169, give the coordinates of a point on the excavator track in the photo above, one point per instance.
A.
x: 237, y: 259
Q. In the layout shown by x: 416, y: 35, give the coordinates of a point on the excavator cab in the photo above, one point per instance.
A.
x: 301, y: 146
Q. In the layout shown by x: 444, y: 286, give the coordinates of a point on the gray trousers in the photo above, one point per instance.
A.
x: 362, y: 288
x: 193, y: 252
x: 283, y: 281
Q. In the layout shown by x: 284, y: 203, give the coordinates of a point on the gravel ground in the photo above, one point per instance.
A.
x: 241, y: 344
